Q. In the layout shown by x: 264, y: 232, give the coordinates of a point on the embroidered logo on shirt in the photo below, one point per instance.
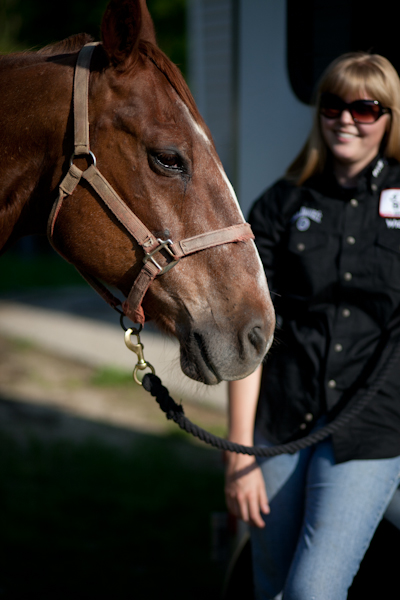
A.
x: 389, y: 204
x: 303, y: 216
x: 378, y: 168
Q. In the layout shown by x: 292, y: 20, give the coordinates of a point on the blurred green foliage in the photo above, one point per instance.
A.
x: 35, y: 269
x: 26, y: 24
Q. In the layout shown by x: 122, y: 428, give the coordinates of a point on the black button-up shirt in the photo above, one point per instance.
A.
x: 332, y: 259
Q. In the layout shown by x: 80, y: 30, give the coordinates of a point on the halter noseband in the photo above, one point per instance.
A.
x: 155, y: 262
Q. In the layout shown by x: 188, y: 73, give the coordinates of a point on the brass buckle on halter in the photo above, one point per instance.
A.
x: 164, y: 245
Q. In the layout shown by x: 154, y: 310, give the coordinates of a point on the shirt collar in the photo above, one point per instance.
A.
x: 369, y: 180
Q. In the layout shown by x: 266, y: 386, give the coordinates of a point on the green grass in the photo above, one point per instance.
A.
x: 111, y: 377
x: 21, y: 344
x: 91, y: 521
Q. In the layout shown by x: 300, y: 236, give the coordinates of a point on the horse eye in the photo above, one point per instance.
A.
x: 169, y: 161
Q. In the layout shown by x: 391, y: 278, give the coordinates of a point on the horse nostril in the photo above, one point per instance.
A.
x: 257, y: 340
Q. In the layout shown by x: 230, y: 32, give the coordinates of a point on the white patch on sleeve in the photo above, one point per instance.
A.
x: 389, y: 203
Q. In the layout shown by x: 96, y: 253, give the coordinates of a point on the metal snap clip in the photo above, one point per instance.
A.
x: 137, y: 348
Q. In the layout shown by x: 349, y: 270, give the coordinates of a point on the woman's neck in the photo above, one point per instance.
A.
x: 346, y: 177
x: 347, y: 173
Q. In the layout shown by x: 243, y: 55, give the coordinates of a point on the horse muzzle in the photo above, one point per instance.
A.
x: 210, y: 355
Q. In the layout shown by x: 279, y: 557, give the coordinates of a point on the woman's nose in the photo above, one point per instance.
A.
x: 346, y: 117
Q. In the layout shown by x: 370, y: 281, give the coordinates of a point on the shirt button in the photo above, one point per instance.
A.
x: 301, y: 247
x: 303, y: 426
x: 354, y: 202
x: 348, y: 276
x: 338, y: 347
x: 346, y: 313
x: 332, y: 384
x: 350, y: 240
x: 308, y: 417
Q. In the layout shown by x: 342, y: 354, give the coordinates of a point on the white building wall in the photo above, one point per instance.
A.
x: 210, y: 62
x: 240, y: 82
x: 272, y: 123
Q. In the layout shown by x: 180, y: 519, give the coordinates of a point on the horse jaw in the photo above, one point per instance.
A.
x: 224, y: 328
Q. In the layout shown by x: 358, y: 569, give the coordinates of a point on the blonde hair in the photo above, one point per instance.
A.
x: 348, y: 74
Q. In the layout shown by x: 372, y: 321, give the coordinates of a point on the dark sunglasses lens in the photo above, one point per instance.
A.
x: 330, y: 113
x: 331, y: 106
x: 362, y: 111
x: 365, y: 112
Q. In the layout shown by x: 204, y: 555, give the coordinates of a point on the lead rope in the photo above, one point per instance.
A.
x: 175, y: 412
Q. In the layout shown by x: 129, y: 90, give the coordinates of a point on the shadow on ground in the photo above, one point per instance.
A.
x: 91, y: 510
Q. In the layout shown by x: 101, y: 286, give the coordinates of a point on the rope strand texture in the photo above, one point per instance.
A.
x: 174, y: 411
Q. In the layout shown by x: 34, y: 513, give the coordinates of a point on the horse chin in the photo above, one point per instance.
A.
x: 198, y: 367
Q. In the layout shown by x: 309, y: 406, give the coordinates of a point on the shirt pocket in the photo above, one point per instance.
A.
x: 387, y: 259
x: 309, y: 262
x: 302, y: 244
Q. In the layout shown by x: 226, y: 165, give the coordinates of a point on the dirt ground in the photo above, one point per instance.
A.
x: 53, y: 397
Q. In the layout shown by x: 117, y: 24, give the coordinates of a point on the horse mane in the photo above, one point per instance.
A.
x: 172, y: 73
x: 68, y: 46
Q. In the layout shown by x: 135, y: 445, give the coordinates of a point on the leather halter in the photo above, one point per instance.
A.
x: 155, y: 262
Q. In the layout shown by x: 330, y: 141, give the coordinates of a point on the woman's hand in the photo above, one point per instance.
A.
x: 245, y: 493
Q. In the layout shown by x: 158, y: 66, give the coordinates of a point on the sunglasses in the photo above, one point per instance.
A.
x: 362, y: 111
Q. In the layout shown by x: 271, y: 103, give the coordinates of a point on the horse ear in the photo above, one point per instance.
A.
x: 124, y: 24
x: 147, y: 33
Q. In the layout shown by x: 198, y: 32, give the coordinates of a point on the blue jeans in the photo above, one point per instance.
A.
x: 323, y: 517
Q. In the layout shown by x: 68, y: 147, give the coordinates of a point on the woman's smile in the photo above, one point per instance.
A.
x: 347, y: 135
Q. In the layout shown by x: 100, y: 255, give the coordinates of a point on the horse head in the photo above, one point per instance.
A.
x: 155, y: 151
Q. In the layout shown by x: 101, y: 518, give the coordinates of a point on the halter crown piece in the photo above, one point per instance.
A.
x: 155, y: 263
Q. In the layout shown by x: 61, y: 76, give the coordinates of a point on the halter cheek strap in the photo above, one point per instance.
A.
x: 159, y: 255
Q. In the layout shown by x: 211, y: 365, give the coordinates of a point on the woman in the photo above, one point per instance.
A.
x: 329, y: 238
